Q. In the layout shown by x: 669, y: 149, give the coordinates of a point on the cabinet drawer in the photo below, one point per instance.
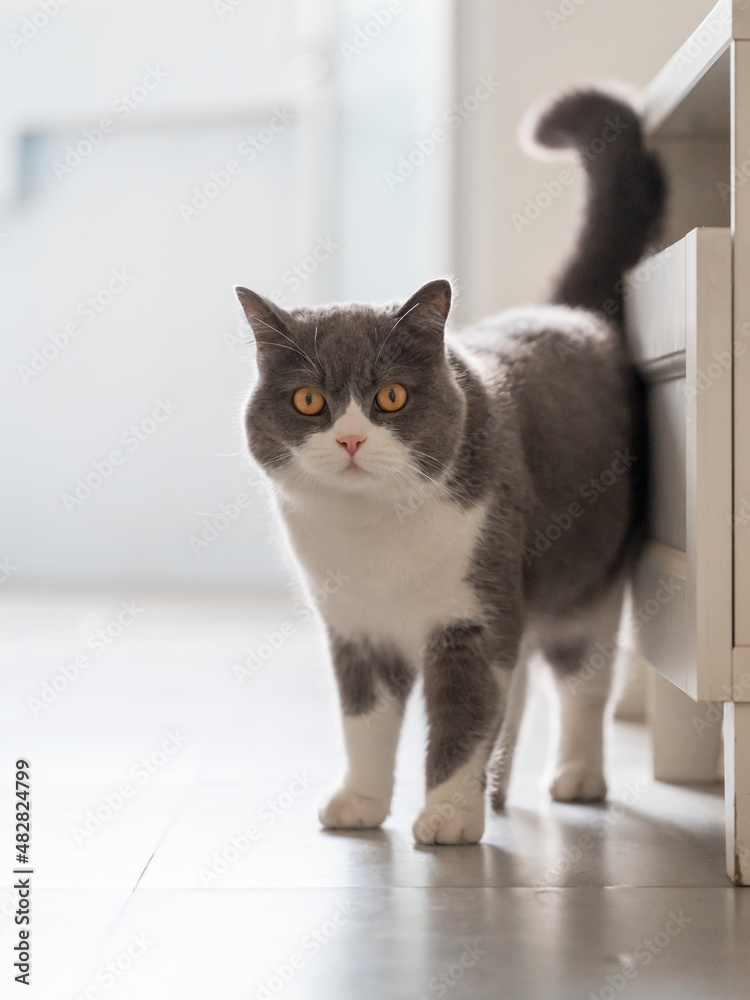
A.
x: 679, y: 306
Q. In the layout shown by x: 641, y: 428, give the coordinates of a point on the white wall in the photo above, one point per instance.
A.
x: 172, y: 332
x: 533, y: 50
x: 162, y: 336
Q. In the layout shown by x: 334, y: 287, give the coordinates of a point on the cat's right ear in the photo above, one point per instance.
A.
x: 269, y: 321
x: 429, y: 307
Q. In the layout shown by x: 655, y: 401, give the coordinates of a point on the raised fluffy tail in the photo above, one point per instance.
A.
x: 625, y: 195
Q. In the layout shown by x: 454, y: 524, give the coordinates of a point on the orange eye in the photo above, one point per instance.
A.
x: 391, y: 397
x: 308, y: 401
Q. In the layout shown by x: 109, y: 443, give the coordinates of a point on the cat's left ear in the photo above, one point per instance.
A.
x: 269, y: 321
x: 428, y: 308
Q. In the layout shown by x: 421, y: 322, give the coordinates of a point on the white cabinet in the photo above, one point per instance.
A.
x: 681, y: 323
x: 689, y: 324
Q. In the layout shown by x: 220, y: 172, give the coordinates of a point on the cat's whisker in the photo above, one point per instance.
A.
x: 272, y: 343
x: 415, y: 485
x: 290, y: 478
x: 294, y: 347
x: 315, y: 345
x: 452, y: 494
x: 460, y: 497
x: 391, y: 331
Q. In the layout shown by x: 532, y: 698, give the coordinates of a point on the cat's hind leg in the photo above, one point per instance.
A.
x: 373, y: 685
x: 582, y: 653
x: 501, y: 761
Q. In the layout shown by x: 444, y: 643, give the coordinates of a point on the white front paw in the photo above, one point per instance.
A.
x: 347, y: 810
x: 577, y: 781
x: 455, y: 819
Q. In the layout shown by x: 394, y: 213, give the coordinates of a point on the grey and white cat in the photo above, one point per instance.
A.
x: 481, y: 492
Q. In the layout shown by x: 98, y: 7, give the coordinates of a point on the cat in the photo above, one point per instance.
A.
x: 480, y: 495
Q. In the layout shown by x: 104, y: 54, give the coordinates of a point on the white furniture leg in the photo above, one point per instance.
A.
x: 737, y: 789
x: 686, y: 734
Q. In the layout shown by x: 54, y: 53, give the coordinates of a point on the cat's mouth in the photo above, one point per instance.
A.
x: 353, y: 469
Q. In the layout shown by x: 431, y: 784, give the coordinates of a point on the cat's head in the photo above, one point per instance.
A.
x: 354, y: 397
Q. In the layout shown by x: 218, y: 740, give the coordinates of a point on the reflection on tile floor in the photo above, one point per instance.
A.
x: 151, y: 764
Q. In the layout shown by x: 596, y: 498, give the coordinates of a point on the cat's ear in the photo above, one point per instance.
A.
x: 428, y: 307
x: 269, y: 321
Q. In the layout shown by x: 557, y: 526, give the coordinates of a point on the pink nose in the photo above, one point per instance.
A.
x: 351, y: 441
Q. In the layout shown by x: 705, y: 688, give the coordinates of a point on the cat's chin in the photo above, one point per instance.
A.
x: 388, y: 483
x: 353, y: 479
x: 350, y: 479
x: 384, y: 481
x: 353, y: 470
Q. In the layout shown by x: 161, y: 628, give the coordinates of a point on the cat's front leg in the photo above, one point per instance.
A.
x: 373, y: 685
x: 462, y: 696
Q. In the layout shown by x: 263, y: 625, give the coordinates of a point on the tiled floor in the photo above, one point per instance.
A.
x: 207, y: 875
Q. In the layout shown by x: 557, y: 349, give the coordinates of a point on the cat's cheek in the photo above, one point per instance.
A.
x: 271, y: 455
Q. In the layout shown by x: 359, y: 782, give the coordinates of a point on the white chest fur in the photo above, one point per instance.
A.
x: 400, y: 568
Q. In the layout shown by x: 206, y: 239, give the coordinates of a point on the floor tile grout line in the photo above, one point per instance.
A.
x: 199, y: 772
x: 108, y: 934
